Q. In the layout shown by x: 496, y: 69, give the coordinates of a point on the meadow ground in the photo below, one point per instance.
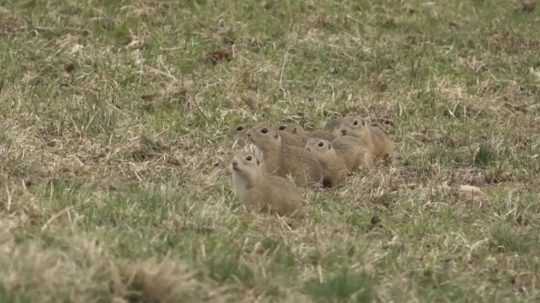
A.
x: 115, y: 121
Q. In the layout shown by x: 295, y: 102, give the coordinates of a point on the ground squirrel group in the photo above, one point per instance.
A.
x: 278, y: 162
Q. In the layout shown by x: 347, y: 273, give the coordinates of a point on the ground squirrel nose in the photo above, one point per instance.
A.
x: 235, y: 164
x: 344, y: 132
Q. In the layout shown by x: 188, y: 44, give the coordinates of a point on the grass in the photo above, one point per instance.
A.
x: 116, y: 117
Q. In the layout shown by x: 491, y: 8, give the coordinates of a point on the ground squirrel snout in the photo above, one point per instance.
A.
x: 261, y: 191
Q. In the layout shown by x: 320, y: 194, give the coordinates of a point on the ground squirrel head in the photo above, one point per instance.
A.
x: 246, y: 164
x: 324, y: 152
x: 292, y: 128
x: 264, y: 136
x: 350, y: 126
x: 320, y: 148
x: 238, y: 133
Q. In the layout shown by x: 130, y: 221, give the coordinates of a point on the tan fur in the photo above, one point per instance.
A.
x: 332, y: 124
x: 291, y: 138
x: 298, y: 130
x: 321, y: 134
x: 261, y: 191
x: 284, y: 160
x: 379, y: 144
x: 238, y: 133
x: 335, y: 169
x: 354, y: 151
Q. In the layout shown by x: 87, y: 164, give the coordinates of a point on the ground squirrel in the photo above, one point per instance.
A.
x: 298, y: 130
x: 376, y: 140
x: 262, y: 191
x: 354, y: 151
x: 335, y: 169
x: 282, y: 159
x: 332, y: 124
x: 239, y: 134
x: 240, y: 131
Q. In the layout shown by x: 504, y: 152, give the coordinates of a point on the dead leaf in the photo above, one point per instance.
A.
x: 220, y: 56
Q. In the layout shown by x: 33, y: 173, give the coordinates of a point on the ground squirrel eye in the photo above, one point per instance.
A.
x: 355, y: 122
x: 249, y: 158
x: 264, y: 130
x: 321, y: 144
x: 240, y: 128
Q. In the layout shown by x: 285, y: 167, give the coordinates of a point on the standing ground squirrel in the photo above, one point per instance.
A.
x: 335, y: 169
x: 377, y: 141
x: 261, y: 191
x: 282, y: 159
